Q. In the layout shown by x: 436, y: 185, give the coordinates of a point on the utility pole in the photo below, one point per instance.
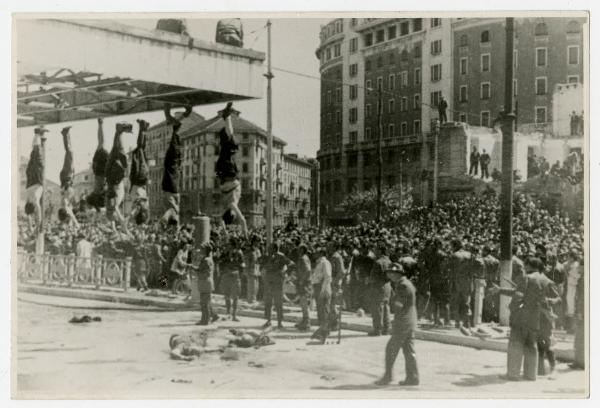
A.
x: 269, y: 200
x: 379, y: 158
x: 506, y: 196
x: 436, y: 160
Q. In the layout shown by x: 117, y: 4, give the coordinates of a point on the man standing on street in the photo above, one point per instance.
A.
x: 380, y: 292
x: 338, y: 273
x: 206, y: 285
x: 321, y: 281
x: 303, y: 286
x: 276, y: 266
x: 531, y: 297
x: 253, y: 270
x: 462, y: 280
x: 405, y: 323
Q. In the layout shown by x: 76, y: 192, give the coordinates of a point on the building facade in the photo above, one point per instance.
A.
x: 200, y: 185
x: 404, y: 66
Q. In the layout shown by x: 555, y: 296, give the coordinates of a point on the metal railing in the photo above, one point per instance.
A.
x: 69, y: 270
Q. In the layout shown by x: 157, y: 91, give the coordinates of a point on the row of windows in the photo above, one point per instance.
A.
x: 379, y: 36
x: 395, y: 81
x: 540, y: 29
x: 404, y: 56
x: 391, y: 130
x: 403, y: 101
x: 484, y: 116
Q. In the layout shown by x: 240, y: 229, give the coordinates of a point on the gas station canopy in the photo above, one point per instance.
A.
x: 69, y: 70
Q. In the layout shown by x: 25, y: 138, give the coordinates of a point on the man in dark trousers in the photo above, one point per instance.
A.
x: 337, y: 275
x: 206, y: 284
x: 172, y: 166
x: 35, y: 179
x: 139, y: 176
x: 96, y: 197
x: 403, y: 328
x: 462, y: 285
x: 473, y: 161
x: 380, y: 292
x: 484, y: 162
x: 276, y: 266
x: 442, y: 106
x: 529, y: 304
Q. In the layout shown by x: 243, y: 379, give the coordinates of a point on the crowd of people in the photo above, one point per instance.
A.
x: 448, y: 251
x: 571, y: 169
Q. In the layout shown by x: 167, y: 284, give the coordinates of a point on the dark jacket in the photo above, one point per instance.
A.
x: 206, y: 271
x: 405, y: 310
x: 138, y: 174
x: 99, y: 162
x: 35, y: 167
x: 226, y: 167
x: 276, y: 267
x: 172, y: 164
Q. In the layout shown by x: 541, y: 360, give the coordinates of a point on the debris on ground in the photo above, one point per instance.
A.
x: 327, y: 377
x: 230, y: 354
x: 85, y: 319
x: 180, y: 381
x: 255, y: 365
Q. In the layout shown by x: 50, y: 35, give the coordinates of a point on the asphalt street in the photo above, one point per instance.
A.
x: 126, y: 355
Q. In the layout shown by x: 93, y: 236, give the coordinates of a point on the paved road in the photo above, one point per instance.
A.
x: 126, y: 356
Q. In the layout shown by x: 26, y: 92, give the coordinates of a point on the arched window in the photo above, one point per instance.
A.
x: 464, y: 40
x: 541, y: 29
x: 404, y: 55
x: 485, y: 36
x: 573, y: 27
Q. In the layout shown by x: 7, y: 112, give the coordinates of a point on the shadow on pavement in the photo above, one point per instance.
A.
x: 476, y: 380
x: 358, y: 387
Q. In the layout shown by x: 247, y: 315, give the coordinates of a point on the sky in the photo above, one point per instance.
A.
x: 296, y: 99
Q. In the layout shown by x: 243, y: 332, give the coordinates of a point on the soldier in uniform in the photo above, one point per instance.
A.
x: 435, y: 266
x: 491, y: 265
x: 303, y: 286
x: 405, y: 323
x: 363, y: 266
x: 276, y: 265
x: 381, y: 291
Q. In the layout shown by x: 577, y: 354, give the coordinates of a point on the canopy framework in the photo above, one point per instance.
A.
x: 110, y: 69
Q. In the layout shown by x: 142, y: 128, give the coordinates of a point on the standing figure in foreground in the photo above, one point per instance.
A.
x: 232, y: 265
x: 206, y: 284
x: 227, y: 171
x: 303, y: 286
x: 65, y: 213
x: 276, y: 266
x: 138, y: 176
x: 381, y: 291
x: 35, y: 179
x: 321, y: 281
x: 116, y: 170
x: 96, y: 197
x: 403, y: 327
x: 172, y: 167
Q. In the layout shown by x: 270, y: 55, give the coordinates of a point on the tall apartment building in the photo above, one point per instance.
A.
x: 412, y: 63
x: 200, y: 185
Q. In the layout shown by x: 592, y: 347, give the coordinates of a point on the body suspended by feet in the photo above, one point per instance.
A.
x: 67, y: 174
x: 35, y: 180
x: 116, y: 170
x: 227, y: 171
x: 172, y: 167
x: 96, y: 198
x: 138, y: 176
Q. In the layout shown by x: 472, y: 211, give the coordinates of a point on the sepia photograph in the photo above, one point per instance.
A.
x: 343, y: 205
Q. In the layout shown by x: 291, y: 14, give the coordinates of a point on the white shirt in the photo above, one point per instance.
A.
x: 322, y: 274
x: 84, y: 250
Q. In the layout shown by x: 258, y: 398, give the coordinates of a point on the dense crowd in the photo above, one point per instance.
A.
x: 423, y: 240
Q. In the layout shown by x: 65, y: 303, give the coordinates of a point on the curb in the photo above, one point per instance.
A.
x: 177, y: 304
